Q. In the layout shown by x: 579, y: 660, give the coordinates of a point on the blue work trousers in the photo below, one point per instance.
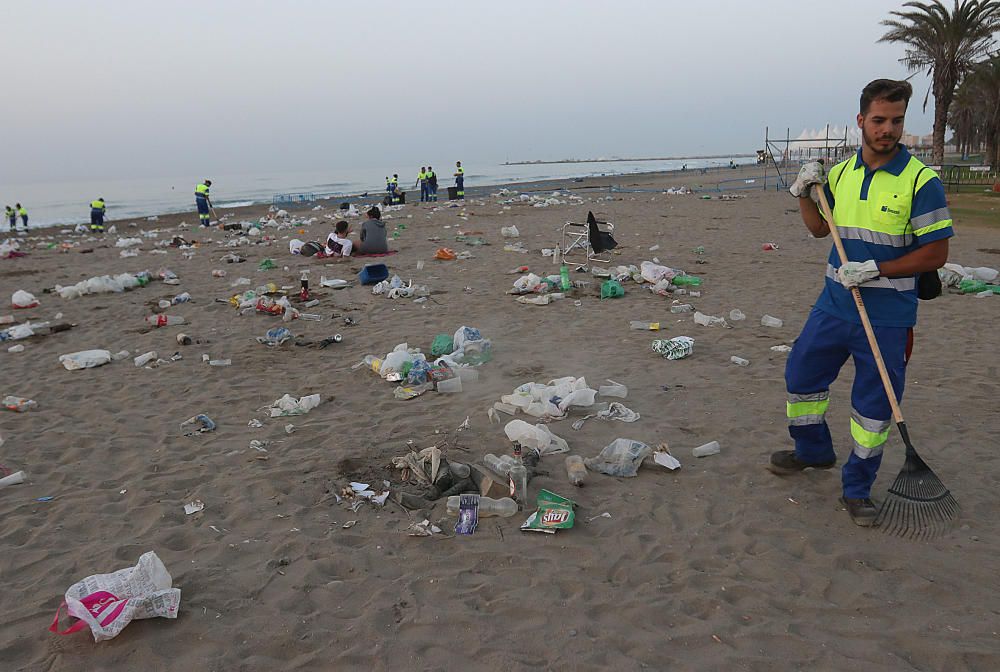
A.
x: 817, y: 356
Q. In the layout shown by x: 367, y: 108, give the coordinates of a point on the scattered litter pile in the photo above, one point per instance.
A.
x: 456, y: 358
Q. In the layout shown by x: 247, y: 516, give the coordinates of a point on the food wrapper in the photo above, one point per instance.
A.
x: 554, y: 513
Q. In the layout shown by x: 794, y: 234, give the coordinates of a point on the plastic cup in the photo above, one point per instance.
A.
x: 13, y: 479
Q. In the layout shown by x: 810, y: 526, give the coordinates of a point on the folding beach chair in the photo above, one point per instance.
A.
x: 593, y: 238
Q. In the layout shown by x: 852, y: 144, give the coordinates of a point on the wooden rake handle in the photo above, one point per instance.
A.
x: 897, y: 414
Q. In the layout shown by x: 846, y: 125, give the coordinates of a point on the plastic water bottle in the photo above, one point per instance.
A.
x: 687, y: 281
x: 682, y: 308
x: 576, y: 470
x: 501, y: 465
x: 504, y: 507
x: 143, y: 360
x: 519, y: 477
x: 18, y: 404
x: 181, y: 298
x: 711, y: 448
x: 769, y: 321
x: 736, y: 315
x: 644, y: 326
x: 373, y: 363
x: 564, y: 280
x: 164, y: 320
x: 739, y: 361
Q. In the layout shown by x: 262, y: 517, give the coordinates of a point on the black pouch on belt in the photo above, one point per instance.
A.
x: 928, y: 285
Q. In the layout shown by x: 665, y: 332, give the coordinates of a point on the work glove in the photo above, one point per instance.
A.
x: 855, y: 273
x: 811, y: 173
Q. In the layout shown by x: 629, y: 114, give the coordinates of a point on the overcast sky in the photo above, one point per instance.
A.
x: 137, y: 88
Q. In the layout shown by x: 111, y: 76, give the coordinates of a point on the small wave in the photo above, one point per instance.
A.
x: 237, y: 204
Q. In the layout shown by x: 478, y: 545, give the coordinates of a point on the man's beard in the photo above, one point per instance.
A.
x: 870, y: 143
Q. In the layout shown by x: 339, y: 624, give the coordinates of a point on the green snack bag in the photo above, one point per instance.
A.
x: 554, y: 513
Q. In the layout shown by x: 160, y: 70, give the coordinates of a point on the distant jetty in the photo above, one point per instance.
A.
x: 636, y: 160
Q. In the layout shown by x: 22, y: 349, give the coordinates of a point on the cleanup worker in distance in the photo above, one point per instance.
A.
x: 394, y: 188
x: 891, y: 212
x: 97, y: 209
x: 422, y: 183
x: 11, y: 217
x: 459, y: 180
x: 23, y: 214
x: 432, y: 184
x: 204, y: 203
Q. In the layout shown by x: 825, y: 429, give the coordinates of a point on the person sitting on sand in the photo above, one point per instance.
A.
x: 338, y: 244
x: 373, y: 239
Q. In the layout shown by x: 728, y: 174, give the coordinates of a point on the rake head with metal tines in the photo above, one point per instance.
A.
x: 918, y: 505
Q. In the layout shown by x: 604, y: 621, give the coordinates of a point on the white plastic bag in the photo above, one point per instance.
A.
x: 106, y: 603
x: 509, y: 232
x: 622, y: 457
x: 23, y: 299
x: 539, y: 437
x: 85, y: 359
x: 289, y: 405
x: 654, y: 272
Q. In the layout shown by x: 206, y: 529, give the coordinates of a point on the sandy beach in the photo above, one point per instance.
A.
x: 719, y: 565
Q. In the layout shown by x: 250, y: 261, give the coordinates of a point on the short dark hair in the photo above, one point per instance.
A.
x: 885, y: 89
x: 341, y: 226
x: 374, y: 213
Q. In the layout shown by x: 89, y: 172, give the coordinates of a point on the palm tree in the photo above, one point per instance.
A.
x: 983, y: 84
x: 946, y: 44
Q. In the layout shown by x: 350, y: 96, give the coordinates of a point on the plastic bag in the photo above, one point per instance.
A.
x: 85, y: 359
x: 108, y: 602
x: 23, y: 299
x: 509, y: 232
x: 654, y: 272
x: 621, y: 457
x: 289, y: 405
x: 539, y: 437
x: 612, y: 289
x: 443, y: 344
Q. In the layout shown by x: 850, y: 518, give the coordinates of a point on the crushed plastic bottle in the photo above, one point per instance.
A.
x: 18, y: 404
x: 501, y: 464
x: 709, y: 320
x: 164, y: 320
x: 736, y: 315
x: 682, y: 308
x: 769, y: 321
x: 739, y: 361
x: 644, y: 326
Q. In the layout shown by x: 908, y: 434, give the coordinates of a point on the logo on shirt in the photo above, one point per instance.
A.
x: 886, y: 208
